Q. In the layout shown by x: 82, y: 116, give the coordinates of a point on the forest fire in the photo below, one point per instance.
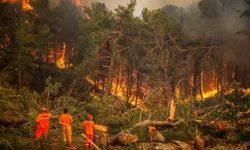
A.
x: 120, y: 91
x: 182, y: 72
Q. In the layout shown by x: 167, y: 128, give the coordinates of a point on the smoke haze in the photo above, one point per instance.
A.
x: 150, y: 4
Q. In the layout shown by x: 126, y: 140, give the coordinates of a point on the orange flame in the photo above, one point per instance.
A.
x: 60, y: 63
x: 207, y: 94
x: 25, y: 4
x: 9, y: 1
x: 246, y: 92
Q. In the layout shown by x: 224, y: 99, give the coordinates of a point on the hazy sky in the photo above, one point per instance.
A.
x: 151, y: 4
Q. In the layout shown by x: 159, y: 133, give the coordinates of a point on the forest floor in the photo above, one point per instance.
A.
x: 78, y: 143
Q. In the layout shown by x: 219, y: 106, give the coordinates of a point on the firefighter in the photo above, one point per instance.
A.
x: 66, y: 121
x: 42, y: 123
x: 88, y: 129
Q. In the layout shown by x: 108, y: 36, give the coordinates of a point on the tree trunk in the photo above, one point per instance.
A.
x: 172, y: 110
x: 67, y: 54
x: 128, y: 78
x: 130, y: 82
x: 196, y: 76
x: 117, y: 82
x: 221, y: 77
x: 110, y: 73
x: 55, y: 52
x: 165, y: 99
x: 109, y: 79
x: 19, y: 70
x: 103, y: 84
x: 200, y: 85
x: 137, y: 89
x: 244, y: 76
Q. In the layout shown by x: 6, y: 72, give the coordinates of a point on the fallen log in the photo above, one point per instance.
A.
x: 7, y: 120
x: 182, y: 145
x: 217, y: 125
x: 115, y: 138
x: 218, y: 129
x: 176, y: 145
x: 244, y: 122
x: 126, y: 139
x: 157, y: 123
x: 205, y: 111
x: 157, y: 146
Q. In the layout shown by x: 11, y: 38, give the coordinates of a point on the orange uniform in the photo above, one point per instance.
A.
x: 66, y: 120
x: 43, y: 124
x: 88, y: 127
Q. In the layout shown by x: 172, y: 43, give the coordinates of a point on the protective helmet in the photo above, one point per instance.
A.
x: 89, y: 116
x: 43, y: 109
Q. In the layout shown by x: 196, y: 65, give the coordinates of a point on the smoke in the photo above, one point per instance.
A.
x: 150, y: 4
x: 224, y: 28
